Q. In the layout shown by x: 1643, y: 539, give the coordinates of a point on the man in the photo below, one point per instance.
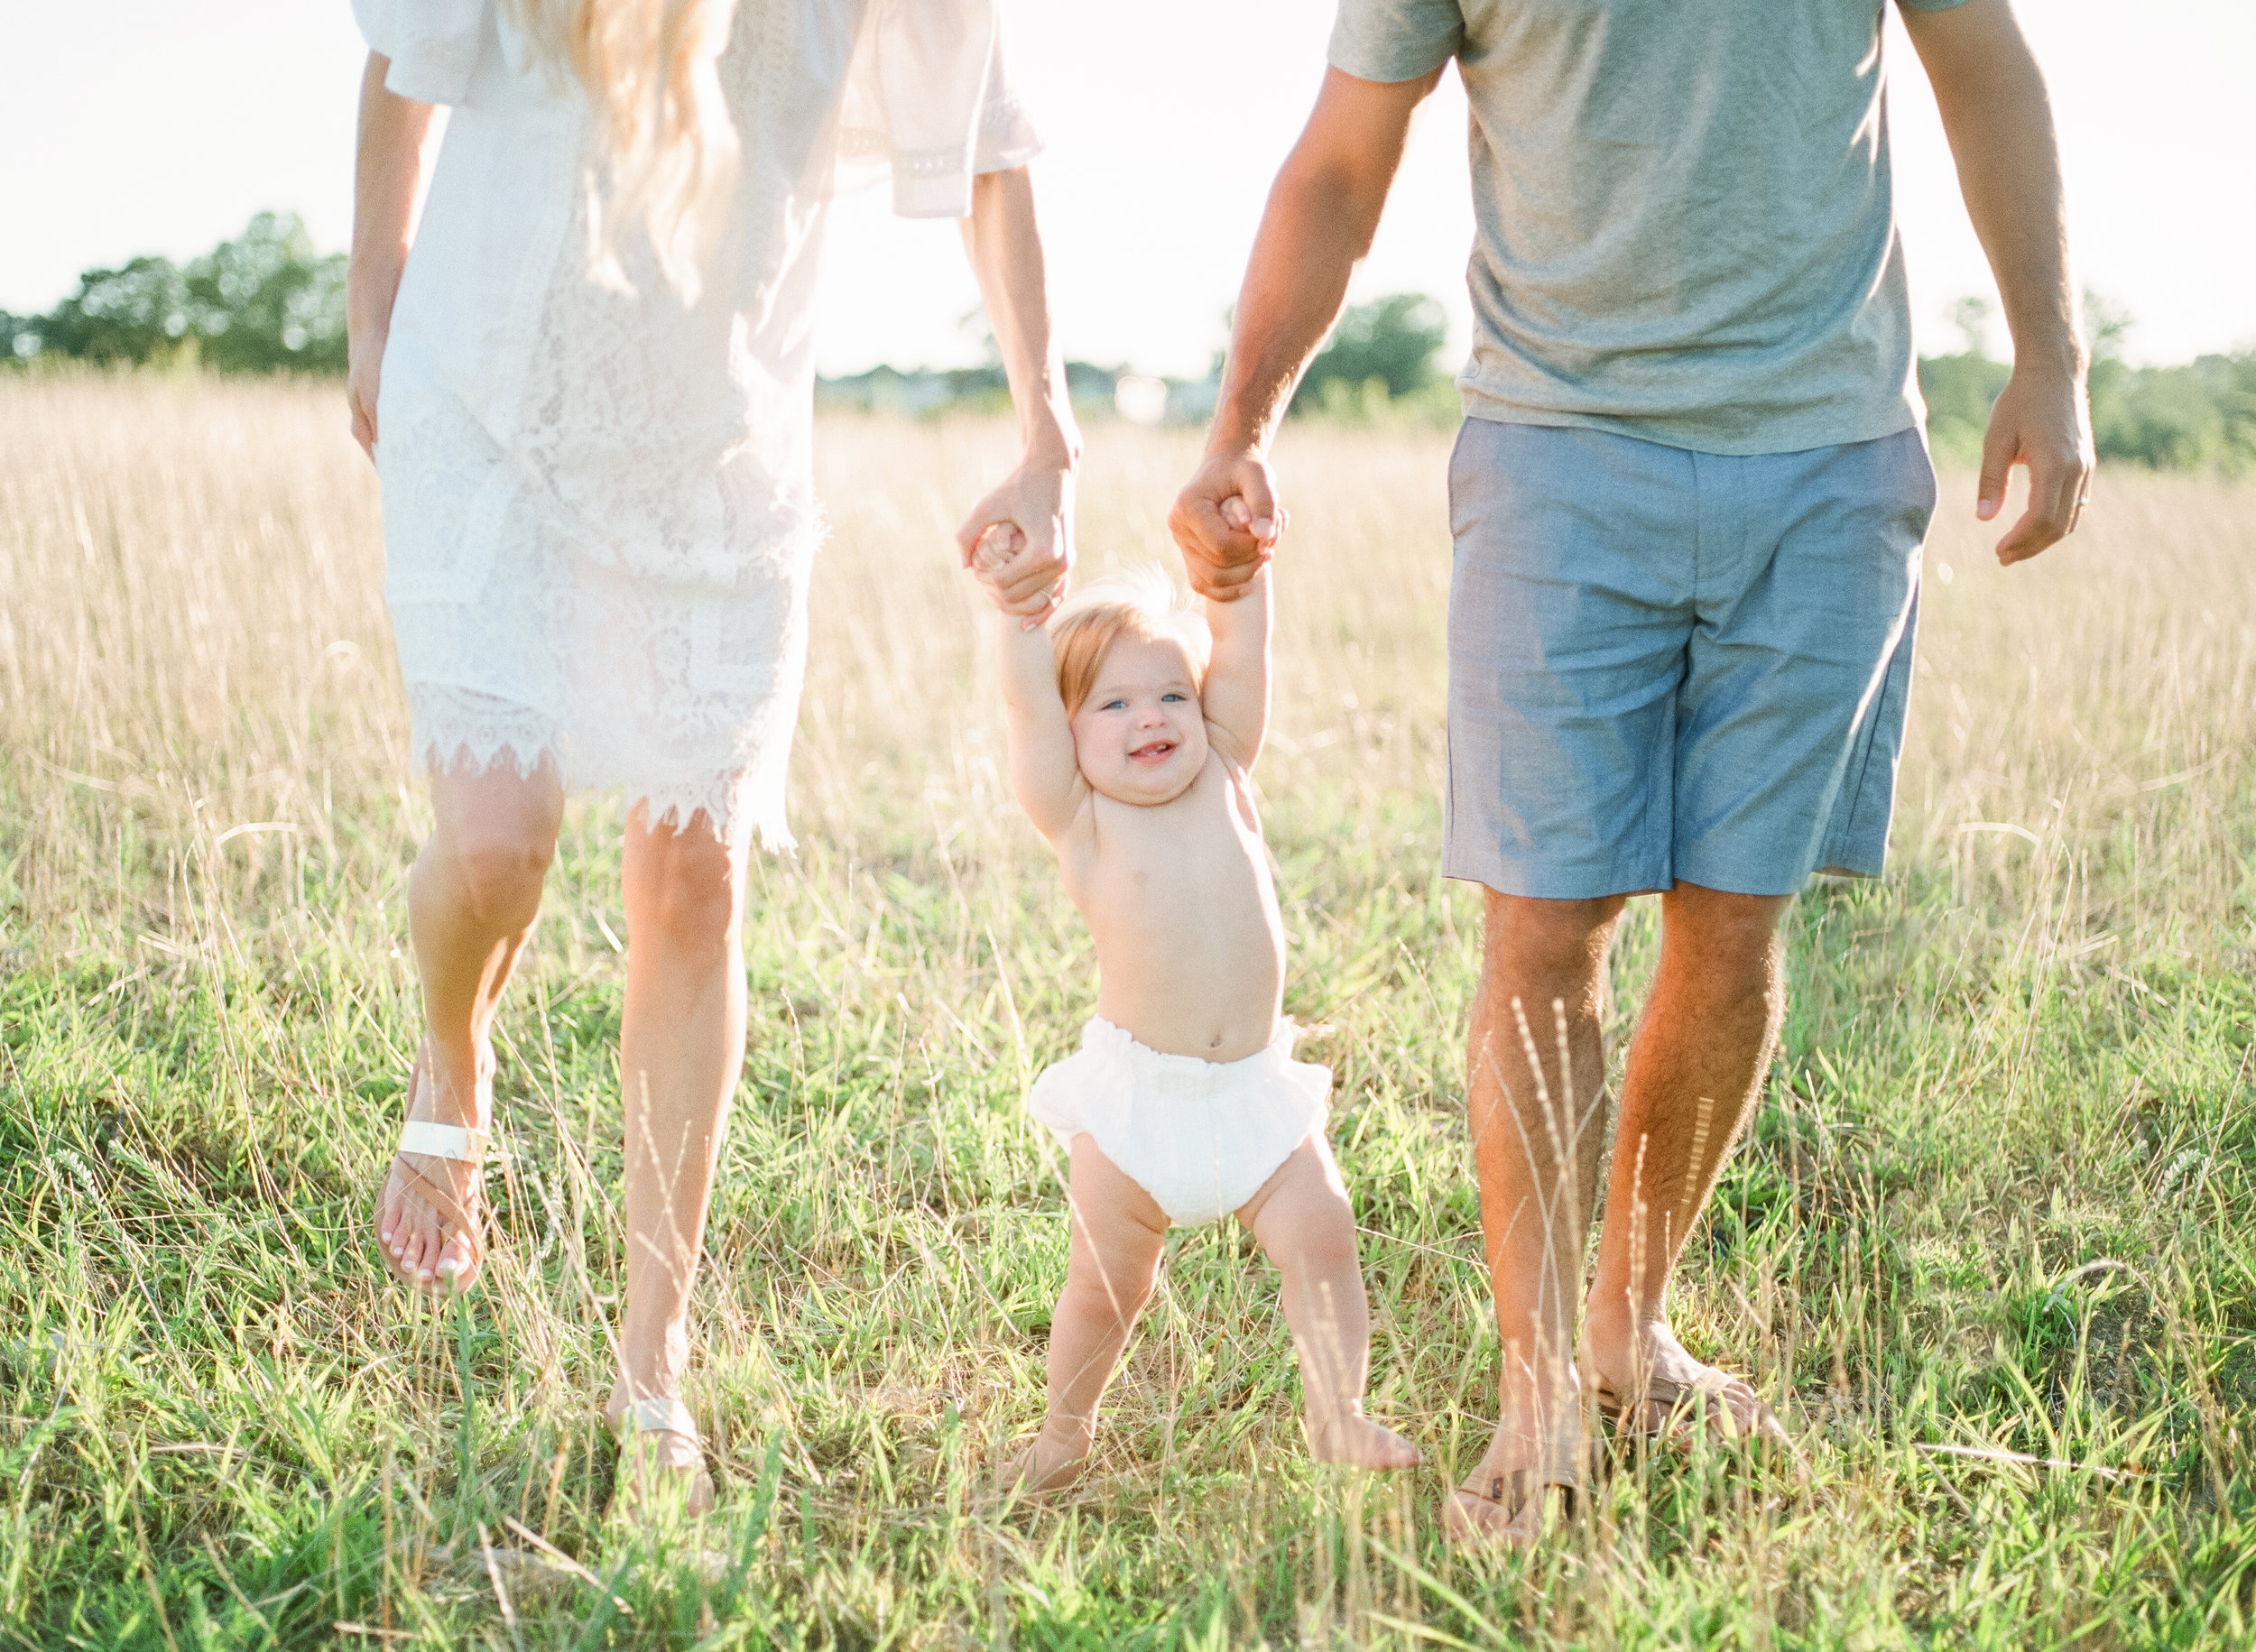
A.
x: 1688, y: 503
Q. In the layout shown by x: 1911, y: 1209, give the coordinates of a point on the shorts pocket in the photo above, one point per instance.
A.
x: 1457, y: 461
x: 1913, y: 472
x: 1855, y: 842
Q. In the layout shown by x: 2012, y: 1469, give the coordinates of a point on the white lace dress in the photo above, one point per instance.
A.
x: 599, y: 509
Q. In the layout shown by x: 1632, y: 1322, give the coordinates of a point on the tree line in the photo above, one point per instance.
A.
x: 2201, y: 416
x: 262, y: 302
x: 267, y: 302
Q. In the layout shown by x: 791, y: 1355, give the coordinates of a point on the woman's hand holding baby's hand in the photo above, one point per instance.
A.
x: 992, y: 557
x: 999, y: 559
x: 1034, y: 508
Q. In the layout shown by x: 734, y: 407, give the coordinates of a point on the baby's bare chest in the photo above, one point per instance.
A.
x: 1198, y: 858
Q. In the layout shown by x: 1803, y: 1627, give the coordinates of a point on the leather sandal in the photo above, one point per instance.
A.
x: 1512, y: 1493
x: 1680, y: 1402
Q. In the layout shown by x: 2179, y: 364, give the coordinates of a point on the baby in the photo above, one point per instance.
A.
x: 1134, y: 722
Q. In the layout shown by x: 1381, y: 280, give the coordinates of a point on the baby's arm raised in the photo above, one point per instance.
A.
x: 1235, y: 697
x: 1043, y: 772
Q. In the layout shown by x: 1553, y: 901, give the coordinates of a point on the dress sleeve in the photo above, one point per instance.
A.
x: 931, y: 98
x: 433, y: 45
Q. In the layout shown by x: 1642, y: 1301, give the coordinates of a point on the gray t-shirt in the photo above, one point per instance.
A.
x: 1686, y: 230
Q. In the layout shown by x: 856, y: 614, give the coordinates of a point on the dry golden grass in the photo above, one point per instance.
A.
x: 192, y: 613
x: 2024, y: 1053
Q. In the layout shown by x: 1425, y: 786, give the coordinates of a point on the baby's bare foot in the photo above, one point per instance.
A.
x: 1049, y: 1464
x: 1351, y: 1437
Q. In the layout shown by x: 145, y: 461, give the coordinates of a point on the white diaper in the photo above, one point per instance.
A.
x: 1200, y: 1137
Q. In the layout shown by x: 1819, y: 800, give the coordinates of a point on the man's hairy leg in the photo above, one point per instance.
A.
x: 1536, y: 1131
x: 1695, y: 1066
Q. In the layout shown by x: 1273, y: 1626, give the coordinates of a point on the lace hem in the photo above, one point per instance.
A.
x: 461, y: 731
x: 725, y: 801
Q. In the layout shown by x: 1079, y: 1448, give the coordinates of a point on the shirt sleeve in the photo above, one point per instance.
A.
x: 930, y: 98
x: 433, y: 45
x: 1395, y: 40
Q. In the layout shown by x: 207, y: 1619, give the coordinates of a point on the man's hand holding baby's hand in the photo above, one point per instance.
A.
x: 1227, y: 522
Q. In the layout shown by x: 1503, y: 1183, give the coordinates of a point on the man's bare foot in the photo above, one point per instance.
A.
x: 1652, y: 1388
x: 1051, y: 1463
x: 662, y: 1460
x: 1351, y: 1437
x: 430, y: 1216
x: 1502, y: 1503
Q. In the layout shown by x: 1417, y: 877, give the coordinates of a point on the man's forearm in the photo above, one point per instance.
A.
x: 1315, y: 229
x: 1322, y: 214
x: 1998, y: 117
x: 1991, y: 97
x: 1323, y: 211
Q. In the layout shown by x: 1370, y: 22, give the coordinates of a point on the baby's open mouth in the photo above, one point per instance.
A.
x: 1155, y: 753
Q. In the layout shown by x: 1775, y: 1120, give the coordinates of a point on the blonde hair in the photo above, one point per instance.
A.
x: 662, y: 125
x: 1140, y: 602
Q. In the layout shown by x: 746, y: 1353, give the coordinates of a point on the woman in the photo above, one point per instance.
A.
x: 589, y: 394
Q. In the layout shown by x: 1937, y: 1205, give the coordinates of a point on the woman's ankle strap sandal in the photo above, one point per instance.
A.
x: 465, y: 1144
x: 655, y: 1416
x: 436, y: 1140
x: 656, y: 1469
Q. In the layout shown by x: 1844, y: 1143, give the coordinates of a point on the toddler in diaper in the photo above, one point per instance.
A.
x: 1134, y: 720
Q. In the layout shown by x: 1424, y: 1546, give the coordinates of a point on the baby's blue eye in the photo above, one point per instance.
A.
x: 1113, y: 705
x: 1169, y: 695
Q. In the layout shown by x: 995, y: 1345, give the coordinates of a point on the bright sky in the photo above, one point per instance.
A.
x: 1165, y: 122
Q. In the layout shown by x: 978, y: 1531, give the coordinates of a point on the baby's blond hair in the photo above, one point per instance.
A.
x: 1141, y: 601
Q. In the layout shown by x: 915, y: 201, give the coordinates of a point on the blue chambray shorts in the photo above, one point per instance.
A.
x: 1667, y: 665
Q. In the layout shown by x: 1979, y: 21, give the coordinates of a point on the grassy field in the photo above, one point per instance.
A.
x: 1991, y: 1245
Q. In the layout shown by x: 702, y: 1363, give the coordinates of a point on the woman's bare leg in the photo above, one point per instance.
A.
x: 472, y: 897
x: 682, y: 1047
